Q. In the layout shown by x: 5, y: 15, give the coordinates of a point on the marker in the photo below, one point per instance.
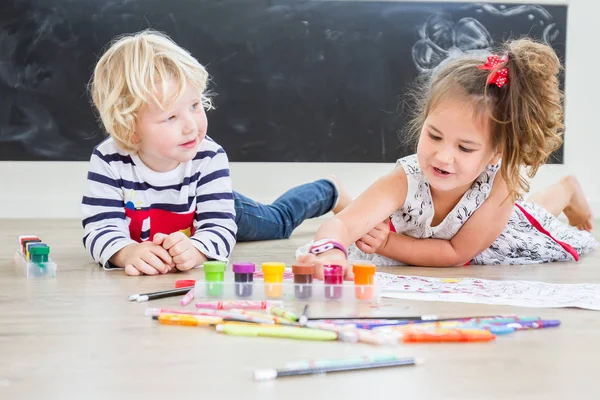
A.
x: 494, y: 329
x: 541, y: 323
x: 187, y: 299
x: 236, y: 316
x: 158, y: 295
x: 339, y: 365
x: 353, y: 335
x: 187, y: 320
x: 429, y: 318
x: 275, y: 319
x: 242, y: 304
x: 447, y: 335
x: 283, y: 313
x: 378, y: 318
x: 222, y: 316
x: 150, y: 312
x: 279, y: 332
x: 503, y: 320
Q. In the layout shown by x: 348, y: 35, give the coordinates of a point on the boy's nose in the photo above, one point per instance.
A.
x: 190, y: 126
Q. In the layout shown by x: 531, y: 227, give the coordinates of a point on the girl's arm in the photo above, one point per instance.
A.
x: 374, y: 205
x: 476, y: 235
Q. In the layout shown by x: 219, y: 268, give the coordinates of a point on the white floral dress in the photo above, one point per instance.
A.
x: 532, y: 234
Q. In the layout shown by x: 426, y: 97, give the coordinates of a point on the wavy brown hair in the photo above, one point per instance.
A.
x: 525, y: 115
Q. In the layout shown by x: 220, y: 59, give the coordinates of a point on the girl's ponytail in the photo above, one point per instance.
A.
x: 529, y: 112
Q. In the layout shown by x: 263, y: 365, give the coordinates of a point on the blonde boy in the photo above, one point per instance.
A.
x: 159, y: 193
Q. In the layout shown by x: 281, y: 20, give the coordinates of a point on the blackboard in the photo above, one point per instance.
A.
x: 315, y: 81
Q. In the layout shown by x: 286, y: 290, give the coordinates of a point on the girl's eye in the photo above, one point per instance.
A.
x: 171, y: 118
x: 434, y: 137
x: 195, y: 105
x: 464, y: 149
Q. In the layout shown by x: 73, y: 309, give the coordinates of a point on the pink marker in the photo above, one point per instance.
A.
x: 187, y: 299
x: 157, y: 311
x: 241, y: 304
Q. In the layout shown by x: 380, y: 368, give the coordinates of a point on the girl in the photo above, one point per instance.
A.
x: 478, y: 123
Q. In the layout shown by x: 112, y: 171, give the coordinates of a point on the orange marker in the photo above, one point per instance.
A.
x: 363, y: 280
x: 446, y: 335
x: 188, y: 320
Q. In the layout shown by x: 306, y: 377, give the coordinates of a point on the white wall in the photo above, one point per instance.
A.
x: 54, y: 189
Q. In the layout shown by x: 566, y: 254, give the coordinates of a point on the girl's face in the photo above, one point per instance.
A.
x: 455, y: 146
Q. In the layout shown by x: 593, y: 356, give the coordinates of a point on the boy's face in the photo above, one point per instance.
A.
x: 168, y: 138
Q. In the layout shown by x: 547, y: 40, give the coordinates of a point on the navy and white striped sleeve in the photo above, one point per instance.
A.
x: 106, y: 230
x: 214, y: 221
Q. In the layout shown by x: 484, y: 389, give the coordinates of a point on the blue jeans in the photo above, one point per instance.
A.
x: 256, y: 221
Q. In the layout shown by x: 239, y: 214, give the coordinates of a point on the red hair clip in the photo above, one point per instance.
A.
x: 500, y: 77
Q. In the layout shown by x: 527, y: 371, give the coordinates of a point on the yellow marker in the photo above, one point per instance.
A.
x: 451, y: 280
x: 275, y: 331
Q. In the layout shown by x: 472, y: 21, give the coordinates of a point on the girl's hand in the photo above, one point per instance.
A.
x: 331, y: 257
x: 376, y: 239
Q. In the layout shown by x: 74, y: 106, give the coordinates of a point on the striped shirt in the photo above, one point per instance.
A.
x: 126, y: 202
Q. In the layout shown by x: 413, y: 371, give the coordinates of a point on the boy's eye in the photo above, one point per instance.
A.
x: 171, y: 118
x: 464, y: 149
x: 434, y: 137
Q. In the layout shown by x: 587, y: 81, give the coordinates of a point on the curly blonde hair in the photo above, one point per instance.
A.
x: 134, y: 72
x: 525, y: 115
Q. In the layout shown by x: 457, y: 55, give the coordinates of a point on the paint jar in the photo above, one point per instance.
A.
x: 243, y: 275
x: 273, y: 276
x: 303, y: 277
x: 363, y: 280
x: 333, y: 277
x: 214, y: 275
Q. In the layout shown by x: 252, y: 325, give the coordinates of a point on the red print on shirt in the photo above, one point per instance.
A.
x: 161, y: 221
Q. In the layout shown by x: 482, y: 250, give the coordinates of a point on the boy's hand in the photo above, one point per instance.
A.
x: 376, y: 239
x: 334, y: 257
x: 143, y: 258
x: 180, y: 247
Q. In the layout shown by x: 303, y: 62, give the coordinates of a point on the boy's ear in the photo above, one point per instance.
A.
x: 135, y: 138
x: 135, y: 142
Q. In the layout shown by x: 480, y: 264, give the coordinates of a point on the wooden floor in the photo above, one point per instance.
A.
x: 77, y: 337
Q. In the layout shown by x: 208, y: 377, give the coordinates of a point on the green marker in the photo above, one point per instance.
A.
x: 277, y: 331
x: 283, y: 313
x: 214, y: 274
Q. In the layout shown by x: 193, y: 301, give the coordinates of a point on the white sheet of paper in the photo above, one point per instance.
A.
x: 482, y: 291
